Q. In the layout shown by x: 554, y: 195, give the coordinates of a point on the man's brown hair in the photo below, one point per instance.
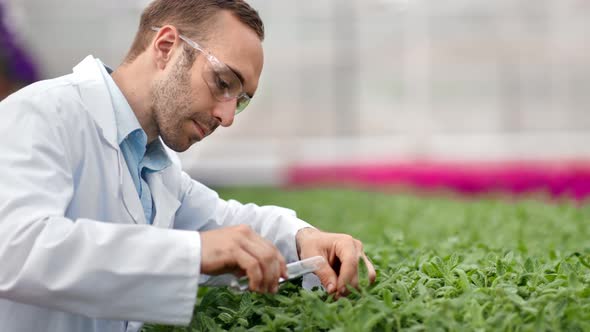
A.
x: 191, y: 18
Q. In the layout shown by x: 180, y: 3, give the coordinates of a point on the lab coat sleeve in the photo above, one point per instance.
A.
x: 202, y: 209
x: 87, y: 267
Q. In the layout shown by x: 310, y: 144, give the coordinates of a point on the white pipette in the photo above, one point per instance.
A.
x: 294, y: 270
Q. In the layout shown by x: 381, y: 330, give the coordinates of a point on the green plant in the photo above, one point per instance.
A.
x: 443, y: 265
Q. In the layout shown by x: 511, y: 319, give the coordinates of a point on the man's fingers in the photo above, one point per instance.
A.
x: 347, y: 253
x: 240, y: 250
x: 370, y: 269
x: 272, y: 263
x: 328, y: 278
x: 348, y: 271
x: 252, y: 268
x: 343, y: 252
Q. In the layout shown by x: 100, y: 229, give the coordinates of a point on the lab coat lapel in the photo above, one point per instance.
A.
x: 165, y: 202
x: 97, y: 98
x: 130, y: 195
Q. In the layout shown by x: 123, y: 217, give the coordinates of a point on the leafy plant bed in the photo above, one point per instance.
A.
x: 443, y: 265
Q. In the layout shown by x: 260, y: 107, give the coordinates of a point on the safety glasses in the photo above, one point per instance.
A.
x: 223, y: 83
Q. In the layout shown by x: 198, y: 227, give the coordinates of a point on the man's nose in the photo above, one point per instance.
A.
x: 225, y: 111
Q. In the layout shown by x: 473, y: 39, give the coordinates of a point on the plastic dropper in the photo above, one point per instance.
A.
x: 294, y: 270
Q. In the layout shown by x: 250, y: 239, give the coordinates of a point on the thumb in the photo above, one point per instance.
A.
x: 327, y: 277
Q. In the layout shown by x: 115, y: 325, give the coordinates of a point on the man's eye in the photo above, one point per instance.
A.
x: 221, y: 84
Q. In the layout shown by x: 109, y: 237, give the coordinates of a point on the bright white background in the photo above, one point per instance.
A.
x: 368, y: 80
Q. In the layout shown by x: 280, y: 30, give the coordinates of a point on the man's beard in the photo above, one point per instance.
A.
x: 171, y: 106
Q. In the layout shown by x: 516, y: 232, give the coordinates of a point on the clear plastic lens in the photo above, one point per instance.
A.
x: 223, y: 83
x: 242, y: 103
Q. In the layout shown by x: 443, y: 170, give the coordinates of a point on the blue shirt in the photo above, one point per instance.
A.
x: 140, y: 157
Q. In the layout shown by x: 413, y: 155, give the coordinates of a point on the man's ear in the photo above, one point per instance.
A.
x: 164, y: 45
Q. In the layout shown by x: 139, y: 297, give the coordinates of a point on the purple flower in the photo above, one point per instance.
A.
x: 15, y: 64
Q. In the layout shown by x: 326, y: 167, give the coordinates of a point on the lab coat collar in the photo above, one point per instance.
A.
x: 96, y: 97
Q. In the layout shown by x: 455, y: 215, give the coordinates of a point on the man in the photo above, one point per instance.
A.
x: 99, y: 227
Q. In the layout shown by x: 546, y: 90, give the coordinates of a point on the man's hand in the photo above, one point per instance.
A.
x: 241, y: 251
x: 342, y: 253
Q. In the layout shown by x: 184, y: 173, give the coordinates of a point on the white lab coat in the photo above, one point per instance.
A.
x: 75, y: 251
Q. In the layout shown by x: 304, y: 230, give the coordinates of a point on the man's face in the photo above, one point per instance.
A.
x: 183, y: 107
